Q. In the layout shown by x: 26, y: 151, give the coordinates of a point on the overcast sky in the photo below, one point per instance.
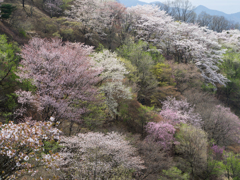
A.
x: 227, y: 6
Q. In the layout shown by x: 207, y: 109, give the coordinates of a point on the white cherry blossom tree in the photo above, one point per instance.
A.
x: 112, y: 76
x: 95, y: 155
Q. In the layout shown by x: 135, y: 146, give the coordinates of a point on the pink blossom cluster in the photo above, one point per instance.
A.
x: 162, y: 132
x: 217, y: 150
x: 174, y: 113
x: 180, y: 112
x: 63, y: 75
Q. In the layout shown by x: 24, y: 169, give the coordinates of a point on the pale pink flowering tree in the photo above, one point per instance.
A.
x: 53, y: 7
x: 174, y: 113
x: 22, y: 144
x: 63, y: 75
x: 218, y: 151
x: 180, y: 112
x: 95, y: 156
x: 222, y: 125
x: 161, y: 132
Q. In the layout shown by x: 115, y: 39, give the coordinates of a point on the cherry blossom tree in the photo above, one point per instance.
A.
x: 161, y: 132
x: 63, y: 75
x: 180, y: 112
x: 22, y: 147
x: 230, y: 38
x: 99, y: 17
x: 221, y: 125
x: 95, y: 155
x: 188, y: 43
x: 111, y: 19
x: 53, y: 7
x: 112, y: 76
x: 149, y: 22
x: 193, y: 44
x: 86, y: 12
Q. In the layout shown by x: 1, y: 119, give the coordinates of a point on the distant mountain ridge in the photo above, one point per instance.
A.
x: 129, y: 3
x: 232, y: 17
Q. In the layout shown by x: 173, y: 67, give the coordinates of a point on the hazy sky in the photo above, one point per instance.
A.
x: 227, y: 6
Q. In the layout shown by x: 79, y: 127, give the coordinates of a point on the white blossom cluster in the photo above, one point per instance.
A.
x: 113, y: 74
x: 188, y: 43
x: 230, y: 38
x: 95, y: 153
x: 24, y: 141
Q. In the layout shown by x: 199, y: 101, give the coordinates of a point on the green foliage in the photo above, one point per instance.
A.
x: 132, y: 70
x: 6, y: 10
x: 175, y: 174
x: 208, y: 88
x: 155, y: 54
x: 100, y: 48
x: 123, y: 112
x: 231, y: 69
x: 51, y: 147
x: 10, y: 105
x: 232, y: 166
x: 215, y: 168
x: 65, y: 4
x: 23, y: 32
x: 67, y: 33
x: 56, y: 34
x: 163, y: 73
x: 193, y: 146
x: 8, y: 65
x: 96, y: 115
x: 137, y: 54
x: 121, y: 172
x: 145, y: 115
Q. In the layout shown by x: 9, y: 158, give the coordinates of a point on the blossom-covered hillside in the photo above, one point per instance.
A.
x: 102, y: 91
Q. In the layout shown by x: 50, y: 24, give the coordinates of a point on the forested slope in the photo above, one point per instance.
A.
x: 91, y: 89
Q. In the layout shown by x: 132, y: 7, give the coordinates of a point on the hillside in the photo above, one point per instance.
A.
x: 98, y: 90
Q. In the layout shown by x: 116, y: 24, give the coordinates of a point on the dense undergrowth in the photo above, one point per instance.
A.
x: 100, y: 91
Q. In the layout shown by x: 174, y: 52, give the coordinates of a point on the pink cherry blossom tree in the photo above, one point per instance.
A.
x: 180, y: 112
x: 63, y: 75
x: 161, y: 132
